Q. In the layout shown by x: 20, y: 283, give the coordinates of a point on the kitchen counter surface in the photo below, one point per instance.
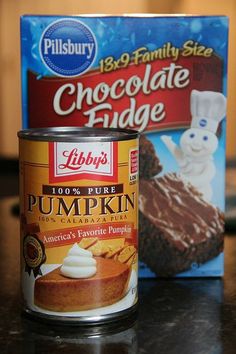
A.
x: 196, y: 316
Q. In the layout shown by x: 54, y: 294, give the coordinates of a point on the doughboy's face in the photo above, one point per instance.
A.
x: 198, y: 142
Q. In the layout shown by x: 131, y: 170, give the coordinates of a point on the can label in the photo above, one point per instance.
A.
x: 79, y: 226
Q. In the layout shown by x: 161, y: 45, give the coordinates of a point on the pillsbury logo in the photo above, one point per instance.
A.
x: 68, y: 48
x: 203, y: 123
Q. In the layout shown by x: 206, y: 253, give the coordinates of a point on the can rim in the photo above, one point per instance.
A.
x: 85, y: 321
x: 77, y: 134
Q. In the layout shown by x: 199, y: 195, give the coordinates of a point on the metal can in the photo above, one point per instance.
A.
x: 79, y: 221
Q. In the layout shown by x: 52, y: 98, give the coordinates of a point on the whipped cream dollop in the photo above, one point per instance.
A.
x: 79, y: 263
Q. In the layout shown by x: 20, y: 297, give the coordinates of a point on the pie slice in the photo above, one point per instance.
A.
x: 56, y: 292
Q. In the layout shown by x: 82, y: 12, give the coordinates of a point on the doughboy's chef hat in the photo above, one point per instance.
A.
x: 208, y: 108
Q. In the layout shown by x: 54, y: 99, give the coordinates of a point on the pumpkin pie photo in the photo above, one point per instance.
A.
x: 83, y: 282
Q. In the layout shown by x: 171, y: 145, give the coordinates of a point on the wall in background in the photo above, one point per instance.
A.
x: 10, y: 11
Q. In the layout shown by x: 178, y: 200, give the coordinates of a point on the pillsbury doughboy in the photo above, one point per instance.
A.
x: 198, y: 144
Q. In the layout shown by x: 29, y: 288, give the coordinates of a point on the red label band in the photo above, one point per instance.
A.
x: 145, y: 96
x: 62, y: 237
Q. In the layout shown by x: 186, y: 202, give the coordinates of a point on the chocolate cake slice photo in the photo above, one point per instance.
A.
x: 149, y: 163
x: 177, y: 227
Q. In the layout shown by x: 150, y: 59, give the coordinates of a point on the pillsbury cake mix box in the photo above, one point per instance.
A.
x: 165, y: 76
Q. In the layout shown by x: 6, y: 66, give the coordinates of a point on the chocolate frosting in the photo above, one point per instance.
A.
x: 179, y: 212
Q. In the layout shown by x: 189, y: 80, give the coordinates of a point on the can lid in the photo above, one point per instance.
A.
x: 77, y: 134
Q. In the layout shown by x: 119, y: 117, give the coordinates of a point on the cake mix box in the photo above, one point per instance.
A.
x: 165, y: 76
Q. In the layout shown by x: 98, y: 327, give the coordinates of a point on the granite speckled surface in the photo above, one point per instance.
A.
x: 196, y: 316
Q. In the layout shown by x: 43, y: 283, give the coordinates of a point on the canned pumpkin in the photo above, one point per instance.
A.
x: 78, y: 200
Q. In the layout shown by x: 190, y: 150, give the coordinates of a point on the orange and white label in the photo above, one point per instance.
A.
x: 79, y: 210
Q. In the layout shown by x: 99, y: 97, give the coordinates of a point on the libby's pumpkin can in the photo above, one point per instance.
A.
x: 79, y: 221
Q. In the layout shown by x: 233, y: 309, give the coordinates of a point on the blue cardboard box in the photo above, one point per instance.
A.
x: 165, y: 76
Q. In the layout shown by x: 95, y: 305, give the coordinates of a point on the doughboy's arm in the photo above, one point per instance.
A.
x: 174, y: 149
